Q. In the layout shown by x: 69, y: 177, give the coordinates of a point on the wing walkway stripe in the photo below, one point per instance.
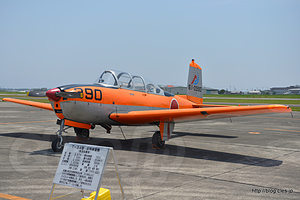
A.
x: 11, y: 197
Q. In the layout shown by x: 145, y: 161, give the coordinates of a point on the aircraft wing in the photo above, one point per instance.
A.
x: 46, y: 106
x: 192, y: 114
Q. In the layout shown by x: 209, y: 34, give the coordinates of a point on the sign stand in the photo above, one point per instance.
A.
x: 82, y: 166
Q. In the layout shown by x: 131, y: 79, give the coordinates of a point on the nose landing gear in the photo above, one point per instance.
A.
x: 81, y: 134
x: 58, y: 144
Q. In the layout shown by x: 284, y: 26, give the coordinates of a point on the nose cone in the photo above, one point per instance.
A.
x: 51, y: 94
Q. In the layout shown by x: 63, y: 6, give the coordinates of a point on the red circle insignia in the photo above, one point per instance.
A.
x: 174, y: 104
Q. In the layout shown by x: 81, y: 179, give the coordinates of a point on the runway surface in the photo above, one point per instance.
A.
x: 255, y: 157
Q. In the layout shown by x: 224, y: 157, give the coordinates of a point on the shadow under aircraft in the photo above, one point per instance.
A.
x: 143, y: 145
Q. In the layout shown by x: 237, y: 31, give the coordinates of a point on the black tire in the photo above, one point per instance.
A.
x: 156, y: 140
x: 56, y: 147
x: 82, y: 134
x: 85, y: 133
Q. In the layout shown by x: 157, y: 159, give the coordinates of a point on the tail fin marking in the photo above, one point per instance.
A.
x: 194, y: 84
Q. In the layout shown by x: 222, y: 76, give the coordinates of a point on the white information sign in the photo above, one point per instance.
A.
x: 81, y: 166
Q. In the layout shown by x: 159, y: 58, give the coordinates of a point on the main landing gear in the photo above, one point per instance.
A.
x: 82, y: 134
x: 157, y: 142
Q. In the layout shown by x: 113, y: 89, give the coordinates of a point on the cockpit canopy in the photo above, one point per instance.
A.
x: 118, y: 79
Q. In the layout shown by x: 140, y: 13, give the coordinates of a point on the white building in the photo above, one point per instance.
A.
x: 286, y: 90
x: 254, y: 92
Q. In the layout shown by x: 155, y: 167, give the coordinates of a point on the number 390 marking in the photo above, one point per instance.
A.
x: 91, y: 93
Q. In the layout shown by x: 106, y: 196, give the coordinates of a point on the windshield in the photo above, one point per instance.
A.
x: 108, y: 79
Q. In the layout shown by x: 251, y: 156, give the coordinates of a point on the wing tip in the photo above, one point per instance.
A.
x: 280, y: 108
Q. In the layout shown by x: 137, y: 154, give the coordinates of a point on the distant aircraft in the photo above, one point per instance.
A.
x: 119, y: 98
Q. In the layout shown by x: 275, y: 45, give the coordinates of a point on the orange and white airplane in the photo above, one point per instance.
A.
x: 119, y: 98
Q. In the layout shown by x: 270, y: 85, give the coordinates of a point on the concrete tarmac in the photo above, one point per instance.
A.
x: 255, y: 157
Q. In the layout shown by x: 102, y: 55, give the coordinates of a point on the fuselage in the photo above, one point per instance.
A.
x: 98, y: 102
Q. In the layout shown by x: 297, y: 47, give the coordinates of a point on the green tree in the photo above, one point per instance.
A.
x: 222, y: 91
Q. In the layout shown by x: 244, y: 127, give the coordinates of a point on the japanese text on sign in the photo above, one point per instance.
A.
x: 81, y: 166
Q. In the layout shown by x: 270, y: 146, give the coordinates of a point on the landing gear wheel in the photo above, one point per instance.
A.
x: 157, y: 142
x: 82, y: 134
x: 56, y: 146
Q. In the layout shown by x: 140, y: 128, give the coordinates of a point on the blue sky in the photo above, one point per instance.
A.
x: 239, y: 44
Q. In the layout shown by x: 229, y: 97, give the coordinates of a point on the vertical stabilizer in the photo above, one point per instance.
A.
x: 194, y: 84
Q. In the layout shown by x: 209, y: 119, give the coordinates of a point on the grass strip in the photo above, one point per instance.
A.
x: 289, y: 96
